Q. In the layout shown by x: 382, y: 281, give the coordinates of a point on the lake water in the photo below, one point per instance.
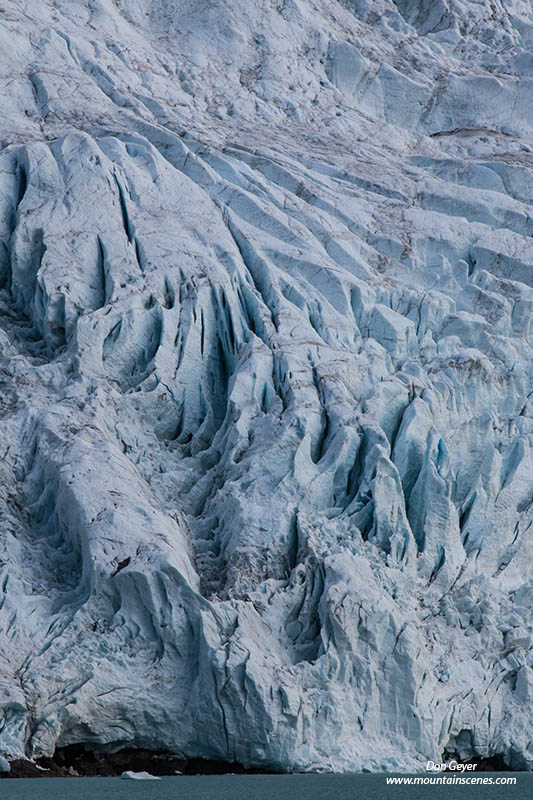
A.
x: 259, y: 787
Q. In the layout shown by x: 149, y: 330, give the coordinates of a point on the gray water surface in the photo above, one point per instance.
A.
x: 258, y: 787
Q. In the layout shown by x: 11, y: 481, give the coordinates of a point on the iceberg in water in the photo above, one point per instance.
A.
x: 139, y: 776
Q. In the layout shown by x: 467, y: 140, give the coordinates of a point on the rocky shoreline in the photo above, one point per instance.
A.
x: 78, y: 761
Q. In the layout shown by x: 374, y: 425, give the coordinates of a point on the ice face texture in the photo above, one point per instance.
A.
x: 267, y: 428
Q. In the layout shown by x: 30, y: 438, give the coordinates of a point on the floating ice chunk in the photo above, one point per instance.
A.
x: 129, y: 775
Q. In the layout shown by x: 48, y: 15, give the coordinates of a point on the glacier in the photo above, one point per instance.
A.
x: 266, y: 304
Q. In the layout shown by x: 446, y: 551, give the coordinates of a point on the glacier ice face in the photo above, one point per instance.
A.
x: 265, y: 330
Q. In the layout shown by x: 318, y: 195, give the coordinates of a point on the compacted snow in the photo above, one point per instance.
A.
x: 267, y: 379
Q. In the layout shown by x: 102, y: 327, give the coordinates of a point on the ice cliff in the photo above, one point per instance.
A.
x: 266, y: 433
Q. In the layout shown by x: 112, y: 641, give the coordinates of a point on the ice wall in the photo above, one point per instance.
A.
x: 266, y: 278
